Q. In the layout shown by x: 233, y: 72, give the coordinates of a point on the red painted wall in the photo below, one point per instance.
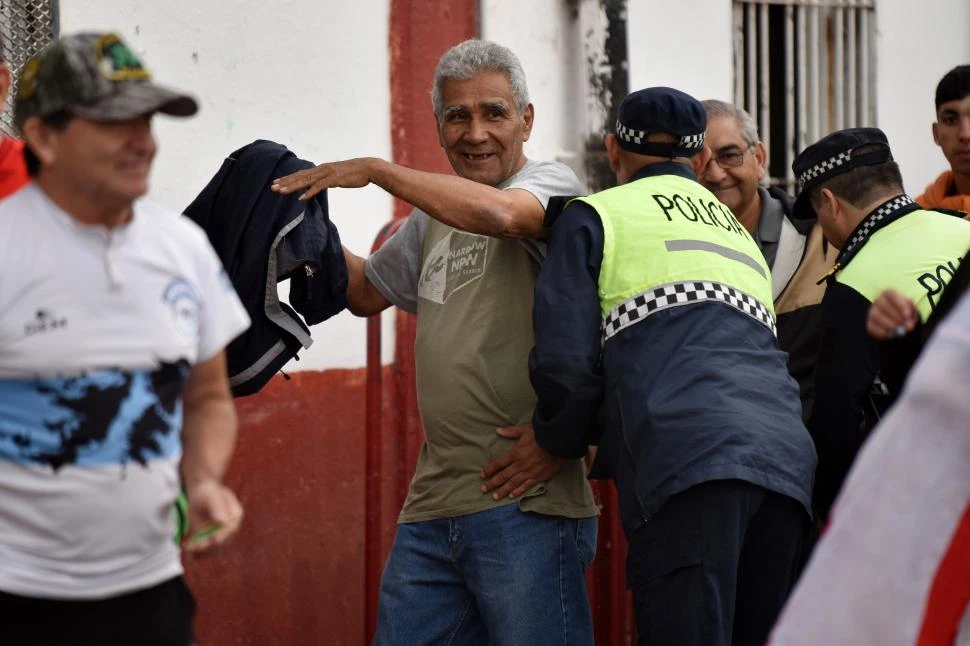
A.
x: 294, y: 574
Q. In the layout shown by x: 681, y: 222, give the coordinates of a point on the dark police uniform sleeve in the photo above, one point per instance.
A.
x: 564, y: 365
x: 847, y: 365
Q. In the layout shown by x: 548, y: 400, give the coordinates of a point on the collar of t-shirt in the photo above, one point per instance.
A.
x: 768, y: 232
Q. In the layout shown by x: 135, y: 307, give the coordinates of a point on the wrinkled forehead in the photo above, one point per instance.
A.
x: 485, y: 105
x: 489, y: 83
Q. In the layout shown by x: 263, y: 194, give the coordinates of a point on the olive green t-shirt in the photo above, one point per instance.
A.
x: 473, y: 299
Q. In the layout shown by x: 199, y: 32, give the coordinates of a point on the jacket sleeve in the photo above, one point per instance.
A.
x: 564, y: 365
x: 847, y: 365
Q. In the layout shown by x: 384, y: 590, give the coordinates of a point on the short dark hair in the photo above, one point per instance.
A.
x: 863, y: 184
x: 954, y: 86
x: 57, y: 121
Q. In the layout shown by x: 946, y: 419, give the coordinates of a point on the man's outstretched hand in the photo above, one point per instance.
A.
x: 351, y: 173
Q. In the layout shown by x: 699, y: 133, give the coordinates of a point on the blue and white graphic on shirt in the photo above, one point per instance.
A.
x: 95, y: 419
x: 185, y: 302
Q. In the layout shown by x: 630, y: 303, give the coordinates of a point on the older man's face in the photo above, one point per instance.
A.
x: 735, y: 186
x: 480, y: 129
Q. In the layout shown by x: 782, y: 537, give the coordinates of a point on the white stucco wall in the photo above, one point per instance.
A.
x: 918, y: 44
x: 310, y: 75
x: 681, y: 44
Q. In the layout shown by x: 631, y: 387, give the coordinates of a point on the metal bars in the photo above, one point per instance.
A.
x: 803, y: 68
x: 26, y: 26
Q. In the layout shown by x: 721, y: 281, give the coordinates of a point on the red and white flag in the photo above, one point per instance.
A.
x: 894, y: 564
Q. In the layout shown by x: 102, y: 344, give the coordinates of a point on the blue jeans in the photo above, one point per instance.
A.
x: 502, y: 577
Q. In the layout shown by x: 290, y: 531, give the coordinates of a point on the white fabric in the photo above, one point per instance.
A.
x: 791, y: 249
x: 871, y: 576
x: 98, y: 331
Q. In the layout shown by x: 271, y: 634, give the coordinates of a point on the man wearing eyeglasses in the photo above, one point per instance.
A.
x: 793, y: 249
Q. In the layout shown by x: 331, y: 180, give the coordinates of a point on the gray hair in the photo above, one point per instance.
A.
x: 472, y: 57
x: 749, y: 129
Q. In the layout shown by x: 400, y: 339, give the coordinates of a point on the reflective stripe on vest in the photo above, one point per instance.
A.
x: 668, y: 241
x: 666, y: 296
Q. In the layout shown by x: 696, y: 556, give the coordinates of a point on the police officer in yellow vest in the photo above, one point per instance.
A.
x: 849, y: 181
x: 654, y: 324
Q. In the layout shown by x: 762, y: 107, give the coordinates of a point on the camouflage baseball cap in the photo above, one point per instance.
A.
x: 96, y: 76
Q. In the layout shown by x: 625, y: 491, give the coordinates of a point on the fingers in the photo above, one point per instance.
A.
x: 514, y: 432
x: 311, y: 179
x: 498, y: 464
x: 514, y: 486
x: 215, y: 514
x: 293, y: 182
x: 891, y: 315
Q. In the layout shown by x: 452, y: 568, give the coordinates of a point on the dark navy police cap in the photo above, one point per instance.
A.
x: 833, y: 155
x: 661, y: 109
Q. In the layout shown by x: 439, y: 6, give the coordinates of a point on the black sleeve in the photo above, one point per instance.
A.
x: 564, y: 365
x: 847, y: 365
x: 897, y: 356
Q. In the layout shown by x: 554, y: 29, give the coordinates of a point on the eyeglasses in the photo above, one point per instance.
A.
x: 729, y: 158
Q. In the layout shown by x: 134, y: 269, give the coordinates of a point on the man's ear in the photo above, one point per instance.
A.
x: 761, y: 156
x: 41, y: 139
x: 612, y: 152
x: 936, y: 133
x: 437, y: 127
x: 528, y: 116
x: 829, y: 199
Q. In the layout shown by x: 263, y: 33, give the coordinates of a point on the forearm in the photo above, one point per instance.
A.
x: 461, y: 203
x: 208, y: 439
x: 363, y: 299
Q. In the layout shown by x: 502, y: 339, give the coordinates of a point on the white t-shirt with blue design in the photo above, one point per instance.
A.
x: 98, y: 332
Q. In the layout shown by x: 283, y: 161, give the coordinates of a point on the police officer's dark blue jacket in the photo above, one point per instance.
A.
x: 262, y: 238
x: 690, y: 394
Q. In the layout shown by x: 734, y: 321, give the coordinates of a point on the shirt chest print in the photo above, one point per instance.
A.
x: 455, y: 261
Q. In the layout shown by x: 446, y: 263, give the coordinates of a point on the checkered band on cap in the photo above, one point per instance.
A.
x: 692, y: 142
x: 630, y: 135
x: 877, y: 216
x: 641, y: 306
x: 822, y: 168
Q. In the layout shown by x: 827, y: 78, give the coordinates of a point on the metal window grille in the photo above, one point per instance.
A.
x: 803, y: 69
x: 26, y: 26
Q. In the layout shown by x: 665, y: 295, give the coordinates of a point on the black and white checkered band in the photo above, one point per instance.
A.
x: 641, y: 306
x: 822, y: 168
x: 870, y: 223
x: 630, y: 135
x: 692, y: 142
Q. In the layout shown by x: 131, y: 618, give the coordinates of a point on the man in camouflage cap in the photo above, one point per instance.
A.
x: 114, y: 316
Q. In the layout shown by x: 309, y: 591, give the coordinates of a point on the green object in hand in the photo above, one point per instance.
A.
x: 181, y: 513
x: 205, y: 532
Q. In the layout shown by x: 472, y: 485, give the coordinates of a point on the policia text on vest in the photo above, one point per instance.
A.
x: 711, y: 213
